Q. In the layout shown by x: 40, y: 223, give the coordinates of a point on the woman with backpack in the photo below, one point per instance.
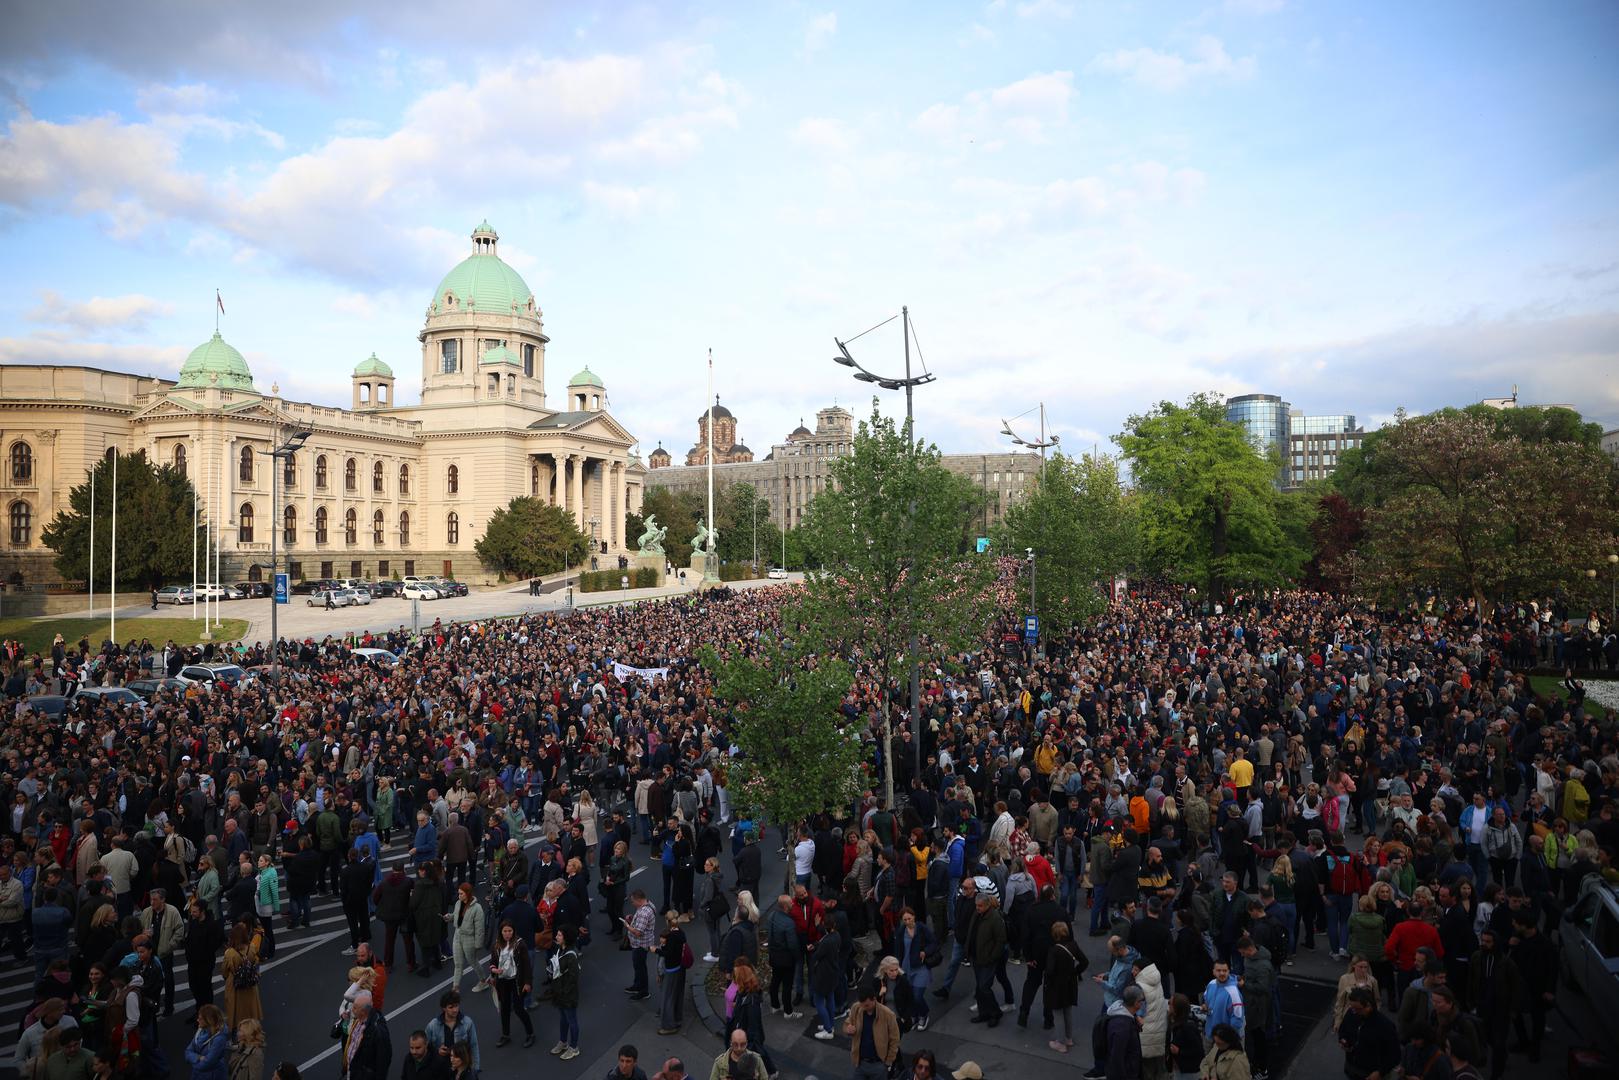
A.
x: 674, y: 957
x: 241, y: 971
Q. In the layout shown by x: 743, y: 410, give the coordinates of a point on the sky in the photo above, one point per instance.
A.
x: 1360, y: 207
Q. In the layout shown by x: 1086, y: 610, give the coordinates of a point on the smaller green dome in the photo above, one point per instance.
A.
x: 372, y: 366
x: 215, y: 357
x: 485, y: 229
x: 499, y: 354
x: 586, y: 377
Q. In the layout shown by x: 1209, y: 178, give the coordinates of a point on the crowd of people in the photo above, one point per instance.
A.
x: 1204, y: 789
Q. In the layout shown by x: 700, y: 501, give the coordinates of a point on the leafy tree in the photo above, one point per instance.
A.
x: 1210, y: 511
x: 1081, y: 526
x: 529, y: 537
x: 797, y: 757
x: 679, y: 512
x: 893, y: 586
x: 1466, y: 509
x: 155, y: 540
x: 1336, y: 532
x: 738, y: 511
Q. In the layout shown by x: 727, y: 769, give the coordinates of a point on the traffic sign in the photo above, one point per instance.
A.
x: 1031, y: 628
x: 281, y: 589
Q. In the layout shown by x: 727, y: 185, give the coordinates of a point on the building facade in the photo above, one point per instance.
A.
x: 380, y: 488
x: 727, y: 450
x: 1306, y: 447
x: 799, y: 467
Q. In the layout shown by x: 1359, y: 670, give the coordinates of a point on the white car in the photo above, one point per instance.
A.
x: 208, y: 674
x: 338, y: 597
x: 209, y: 593
x: 359, y: 596
x: 176, y: 594
x: 418, y: 590
x: 379, y: 657
x: 777, y: 574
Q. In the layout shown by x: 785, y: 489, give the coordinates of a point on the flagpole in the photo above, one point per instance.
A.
x: 708, y: 556
x: 93, y: 541
x: 112, y: 580
x: 194, y: 549
x: 207, y: 545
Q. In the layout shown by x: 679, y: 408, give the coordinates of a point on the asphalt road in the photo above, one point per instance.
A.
x: 303, y: 987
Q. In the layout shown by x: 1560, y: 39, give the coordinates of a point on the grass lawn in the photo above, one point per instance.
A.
x: 1552, y: 685
x: 36, y: 635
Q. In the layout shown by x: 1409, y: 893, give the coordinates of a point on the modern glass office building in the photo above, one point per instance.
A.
x: 1307, y: 447
x: 1266, y: 418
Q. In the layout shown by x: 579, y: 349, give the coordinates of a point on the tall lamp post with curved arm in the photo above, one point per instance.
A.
x: 908, y: 383
x: 1042, y: 444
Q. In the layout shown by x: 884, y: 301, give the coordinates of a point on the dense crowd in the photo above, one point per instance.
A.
x: 1207, y: 788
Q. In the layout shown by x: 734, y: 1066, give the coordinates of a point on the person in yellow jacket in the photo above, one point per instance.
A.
x: 1576, y: 800
x: 1045, y: 756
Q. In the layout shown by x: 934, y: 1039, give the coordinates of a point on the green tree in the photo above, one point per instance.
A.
x: 1210, y: 511
x: 1081, y: 526
x: 679, y: 512
x: 155, y: 538
x: 738, y: 512
x: 1469, y: 508
x: 529, y: 537
x: 894, y: 586
x: 797, y: 757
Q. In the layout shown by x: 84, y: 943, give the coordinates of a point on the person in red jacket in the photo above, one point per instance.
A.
x: 1410, y: 934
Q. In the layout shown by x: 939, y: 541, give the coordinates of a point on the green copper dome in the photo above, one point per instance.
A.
x: 215, y: 357
x: 372, y: 366
x: 585, y: 378
x: 499, y: 354
x: 482, y: 283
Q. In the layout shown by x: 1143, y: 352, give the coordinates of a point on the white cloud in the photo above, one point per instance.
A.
x: 1030, y: 108
x: 824, y: 135
x: 820, y: 31
x: 1167, y: 71
x: 531, y: 123
x: 623, y: 201
x: 161, y: 360
x: 129, y: 312
x: 994, y: 209
x: 1044, y: 9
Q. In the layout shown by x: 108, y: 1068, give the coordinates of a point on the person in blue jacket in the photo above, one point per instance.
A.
x: 425, y: 847
x: 207, y: 1051
x: 1223, y: 1000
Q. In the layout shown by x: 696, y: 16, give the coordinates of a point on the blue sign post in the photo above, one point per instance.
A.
x: 1031, y: 629
x: 281, y: 596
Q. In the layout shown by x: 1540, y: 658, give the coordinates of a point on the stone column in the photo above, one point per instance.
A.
x: 615, y: 512
x: 577, y: 497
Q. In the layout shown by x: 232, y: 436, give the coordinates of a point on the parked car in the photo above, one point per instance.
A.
x: 52, y: 705
x: 777, y: 574
x: 109, y: 695
x: 175, y: 594
x: 378, y: 657
x: 304, y: 588
x: 419, y: 590
x: 450, y: 587
x: 382, y: 589
x: 251, y: 590
x: 150, y: 688
x: 214, y: 592
x: 336, y: 598
x: 1590, y: 935
x: 359, y: 596
x: 208, y: 674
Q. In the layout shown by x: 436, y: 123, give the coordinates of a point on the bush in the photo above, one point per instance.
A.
x: 740, y: 571
x: 641, y: 577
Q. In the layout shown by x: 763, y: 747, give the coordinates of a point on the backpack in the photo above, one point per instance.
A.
x: 247, y: 974
x: 686, y: 957
x: 717, y: 906
x: 1343, y: 875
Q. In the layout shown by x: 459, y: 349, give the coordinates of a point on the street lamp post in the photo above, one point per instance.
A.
x: 908, y: 384
x: 1041, y: 444
x: 278, y: 459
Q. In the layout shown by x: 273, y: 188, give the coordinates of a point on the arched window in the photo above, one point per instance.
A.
x: 534, y: 479
x: 351, y: 526
x: 22, y: 524
x: 376, y: 528
x: 22, y: 463
x: 245, y: 472
x: 404, y: 479
x: 289, y: 472
x: 453, y: 484
x: 404, y: 530
x: 289, y: 526
x: 351, y: 475
x: 254, y: 573
x: 452, y: 528
x: 320, y: 524
x: 320, y: 471
x: 244, y: 523
x: 180, y: 457
x: 376, y: 478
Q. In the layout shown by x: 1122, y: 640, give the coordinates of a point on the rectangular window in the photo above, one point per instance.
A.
x: 449, y: 357
x: 354, y: 568
x: 326, y: 568
x: 528, y: 360
x: 295, y: 571
x: 382, y: 568
x: 410, y: 567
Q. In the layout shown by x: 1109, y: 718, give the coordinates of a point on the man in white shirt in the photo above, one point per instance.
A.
x: 121, y: 866
x: 803, y: 857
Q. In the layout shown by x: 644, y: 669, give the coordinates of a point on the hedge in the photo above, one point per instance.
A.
x: 641, y: 577
x: 739, y: 571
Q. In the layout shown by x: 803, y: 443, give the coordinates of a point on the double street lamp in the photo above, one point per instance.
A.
x: 908, y: 383
x: 281, y: 456
x: 1042, y: 444
x: 1613, y: 587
